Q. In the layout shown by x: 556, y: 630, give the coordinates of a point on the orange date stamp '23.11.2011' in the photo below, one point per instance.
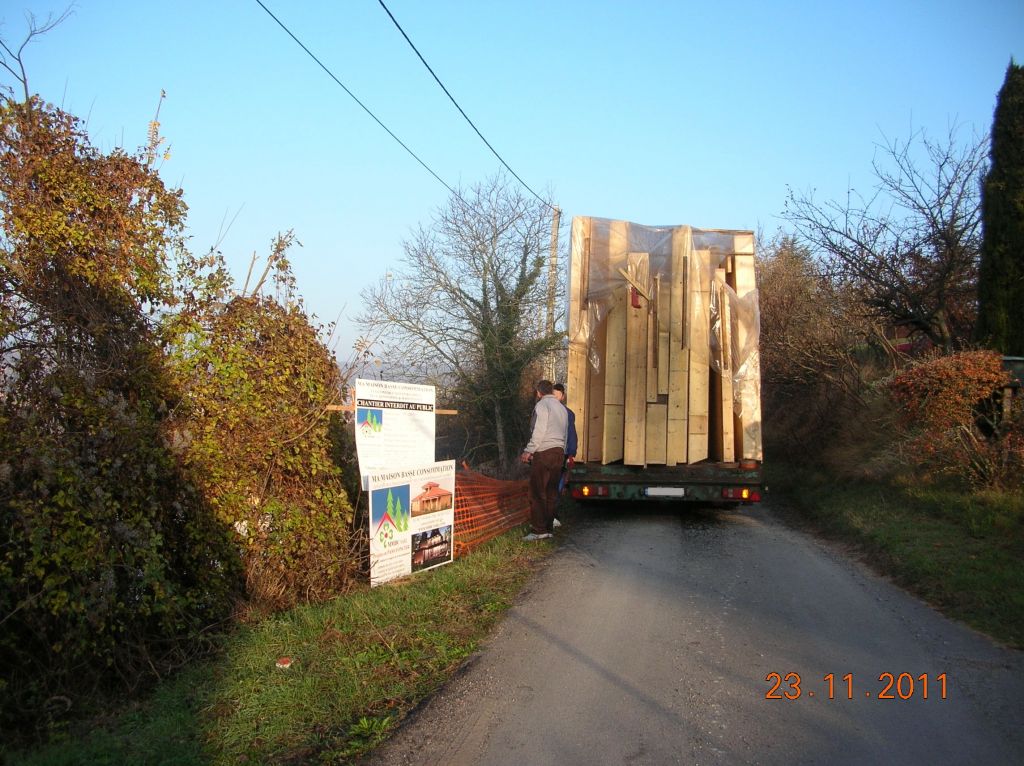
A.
x: 890, y: 686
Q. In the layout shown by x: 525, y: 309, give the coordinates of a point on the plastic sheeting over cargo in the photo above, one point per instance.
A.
x: 663, y: 339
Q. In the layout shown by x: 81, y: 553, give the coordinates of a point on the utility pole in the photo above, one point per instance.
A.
x: 552, y: 283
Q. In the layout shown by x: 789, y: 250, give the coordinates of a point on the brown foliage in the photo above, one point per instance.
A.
x: 952, y: 419
x: 817, y: 349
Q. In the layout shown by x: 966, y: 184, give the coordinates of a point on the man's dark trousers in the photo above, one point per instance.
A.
x: 545, y: 470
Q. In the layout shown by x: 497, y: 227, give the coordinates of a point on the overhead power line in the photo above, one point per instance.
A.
x: 362, y: 105
x: 456, y: 103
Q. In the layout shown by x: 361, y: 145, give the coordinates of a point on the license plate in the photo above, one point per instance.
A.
x: 666, y: 491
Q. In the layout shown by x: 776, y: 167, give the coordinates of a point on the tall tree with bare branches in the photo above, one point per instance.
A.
x: 911, y: 247
x: 466, y: 308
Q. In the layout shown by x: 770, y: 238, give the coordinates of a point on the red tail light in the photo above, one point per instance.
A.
x: 747, y: 494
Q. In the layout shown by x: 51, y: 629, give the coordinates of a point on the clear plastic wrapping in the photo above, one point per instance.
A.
x: 611, y: 259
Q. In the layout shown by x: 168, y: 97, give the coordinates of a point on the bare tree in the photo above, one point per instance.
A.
x: 911, y: 249
x: 818, y: 347
x: 466, y: 309
x: 810, y: 327
x: 12, y: 59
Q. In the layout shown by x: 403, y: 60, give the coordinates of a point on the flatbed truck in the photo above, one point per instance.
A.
x: 663, y: 364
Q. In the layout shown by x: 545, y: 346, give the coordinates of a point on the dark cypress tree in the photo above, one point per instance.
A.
x: 1001, y: 274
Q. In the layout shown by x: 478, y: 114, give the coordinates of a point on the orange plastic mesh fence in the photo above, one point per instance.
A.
x: 486, y: 507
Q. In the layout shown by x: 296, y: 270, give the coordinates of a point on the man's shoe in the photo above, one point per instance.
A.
x: 556, y: 524
x: 534, y: 536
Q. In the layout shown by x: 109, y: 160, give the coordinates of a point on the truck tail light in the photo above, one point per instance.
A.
x: 585, y: 491
x: 747, y: 494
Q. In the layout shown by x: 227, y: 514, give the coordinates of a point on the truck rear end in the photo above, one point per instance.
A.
x: 663, y: 368
x: 731, y: 483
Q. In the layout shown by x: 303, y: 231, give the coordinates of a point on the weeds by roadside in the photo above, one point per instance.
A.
x: 358, y: 665
x: 962, y: 552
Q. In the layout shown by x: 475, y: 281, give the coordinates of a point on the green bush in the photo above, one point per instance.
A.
x: 157, y: 432
x: 111, y: 567
x: 253, y: 426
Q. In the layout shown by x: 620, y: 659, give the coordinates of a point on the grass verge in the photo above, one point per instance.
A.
x: 359, y: 664
x: 961, y: 552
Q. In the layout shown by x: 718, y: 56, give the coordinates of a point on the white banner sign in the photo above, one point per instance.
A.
x: 412, y: 520
x: 394, y: 425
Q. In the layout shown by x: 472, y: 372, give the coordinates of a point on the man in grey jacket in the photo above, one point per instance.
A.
x: 545, y: 453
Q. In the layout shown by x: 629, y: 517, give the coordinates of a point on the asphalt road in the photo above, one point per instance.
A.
x: 647, y: 639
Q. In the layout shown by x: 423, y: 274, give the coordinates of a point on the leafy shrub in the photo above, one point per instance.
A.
x: 253, y: 427
x: 139, y: 472
x: 949, y: 409
x: 111, y: 567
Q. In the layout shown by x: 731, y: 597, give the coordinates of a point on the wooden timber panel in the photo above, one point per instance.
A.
x: 576, y: 395
x: 737, y: 426
x: 750, y: 381
x: 636, y: 362
x: 580, y: 334
x: 725, y: 400
x: 579, y: 264
x: 714, y: 415
x: 664, y: 317
x: 700, y: 368
x: 679, y: 353
x: 656, y: 433
x: 612, y: 442
x: 652, y: 342
x: 595, y: 394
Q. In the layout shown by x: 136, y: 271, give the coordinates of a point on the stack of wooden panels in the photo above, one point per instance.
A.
x: 663, y: 365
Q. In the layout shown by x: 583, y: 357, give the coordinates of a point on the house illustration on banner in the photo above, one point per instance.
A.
x: 386, y: 529
x: 433, y: 498
x: 369, y: 421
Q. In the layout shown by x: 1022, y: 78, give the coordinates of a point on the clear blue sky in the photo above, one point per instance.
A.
x: 654, y: 112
